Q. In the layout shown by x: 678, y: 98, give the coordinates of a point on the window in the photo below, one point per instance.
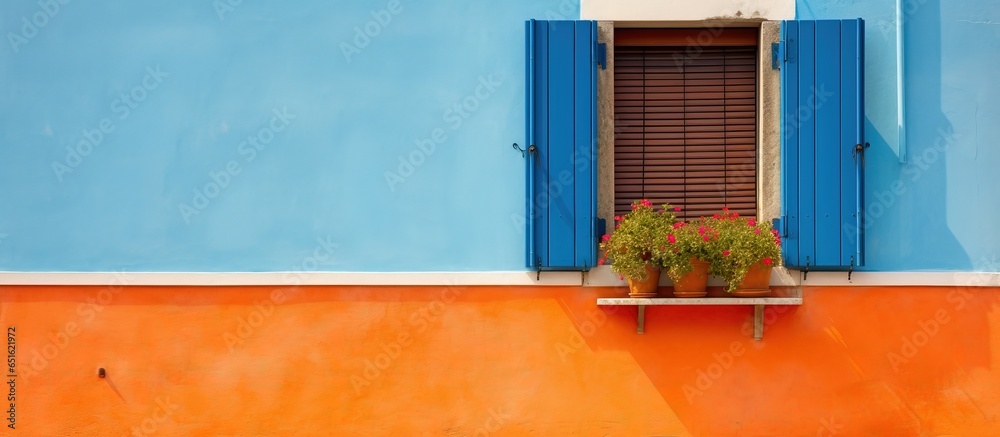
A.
x: 686, y: 119
x: 685, y: 131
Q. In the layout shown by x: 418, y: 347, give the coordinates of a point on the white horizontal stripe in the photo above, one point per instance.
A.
x: 290, y: 278
x: 597, y: 277
x: 916, y: 279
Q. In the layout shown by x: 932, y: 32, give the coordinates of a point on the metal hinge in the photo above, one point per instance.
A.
x: 778, y: 224
x: 850, y: 270
x: 777, y: 55
x: 805, y: 273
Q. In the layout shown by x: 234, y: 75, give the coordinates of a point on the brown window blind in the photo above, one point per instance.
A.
x: 685, y: 128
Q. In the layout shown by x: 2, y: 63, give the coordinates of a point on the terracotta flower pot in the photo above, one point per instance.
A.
x: 643, y: 288
x: 756, y: 283
x: 693, y: 283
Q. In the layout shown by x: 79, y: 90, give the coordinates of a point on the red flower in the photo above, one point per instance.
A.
x: 706, y: 238
x: 677, y: 250
x: 725, y: 253
x: 767, y: 261
x: 635, y: 207
x: 621, y: 278
x: 678, y: 225
x: 672, y: 239
x: 663, y: 247
x: 778, y: 242
x: 725, y: 208
x: 606, y: 237
x: 617, y: 225
x: 618, y: 218
x: 601, y: 262
x: 677, y: 209
x: 701, y: 230
x: 646, y: 202
x: 757, y: 231
x: 774, y: 232
x: 752, y: 222
x: 715, y: 216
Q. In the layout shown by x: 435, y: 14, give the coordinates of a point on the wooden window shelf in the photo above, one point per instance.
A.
x: 758, y: 304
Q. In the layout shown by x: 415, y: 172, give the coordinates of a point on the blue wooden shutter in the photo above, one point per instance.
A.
x: 562, y: 137
x: 823, y: 143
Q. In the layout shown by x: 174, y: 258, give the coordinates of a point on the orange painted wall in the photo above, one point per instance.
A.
x: 499, y: 361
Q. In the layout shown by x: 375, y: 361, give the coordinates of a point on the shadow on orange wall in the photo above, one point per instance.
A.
x: 849, y: 361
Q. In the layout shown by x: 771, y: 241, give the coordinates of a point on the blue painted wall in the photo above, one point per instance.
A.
x: 241, y: 136
x: 198, y: 135
x: 939, y: 209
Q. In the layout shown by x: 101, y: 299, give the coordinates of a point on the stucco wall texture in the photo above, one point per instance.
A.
x: 456, y: 361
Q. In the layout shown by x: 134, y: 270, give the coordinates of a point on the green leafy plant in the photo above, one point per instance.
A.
x: 685, y: 240
x: 738, y: 244
x: 630, y: 247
